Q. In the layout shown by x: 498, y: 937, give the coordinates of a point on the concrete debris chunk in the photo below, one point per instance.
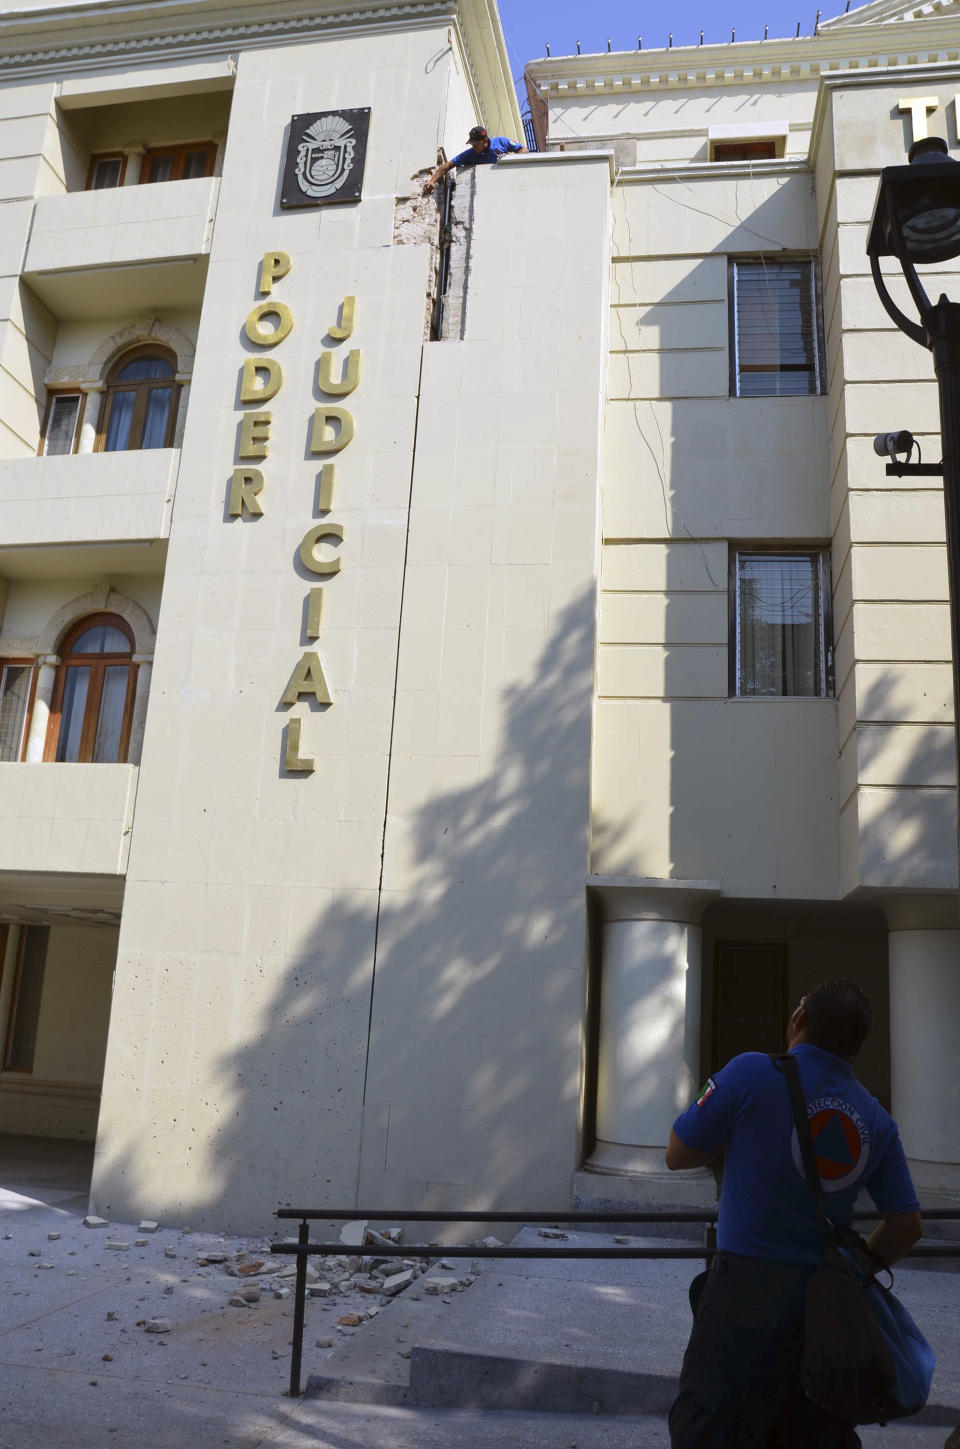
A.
x: 367, y: 1285
x: 34, y: 1253
x: 210, y: 1257
x: 139, y: 1242
x: 117, y: 1246
x: 157, y: 1325
x: 553, y: 1233
x: 395, y: 1266
x: 169, y: 1252
x: 111, y: 1316
x: 438, y: 1286
x: 623, y: 1240
x: 147, y: 1226
x: 491, y: 1242
x: 95, y: 1222
x: 251, y: 1293
x: 352, y: 1234
x: 387, y: 1238
x: 396, y: 1284
x: 236, y: 1300
x: 324, y: 1343
x: 350, y: 1320
x: 53, y: 1237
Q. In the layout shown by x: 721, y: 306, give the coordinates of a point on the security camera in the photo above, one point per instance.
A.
x: 890, y: 445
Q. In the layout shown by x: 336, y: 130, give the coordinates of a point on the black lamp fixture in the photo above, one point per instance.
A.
x: 917, y: 220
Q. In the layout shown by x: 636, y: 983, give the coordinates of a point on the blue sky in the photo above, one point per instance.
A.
x: 528, y: 24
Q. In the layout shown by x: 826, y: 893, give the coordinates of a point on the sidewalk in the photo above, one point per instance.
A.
x: 74, y: 1375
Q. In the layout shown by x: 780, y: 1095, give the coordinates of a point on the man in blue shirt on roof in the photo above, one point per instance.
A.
x: 483, y: 150
x: 739, y: 1385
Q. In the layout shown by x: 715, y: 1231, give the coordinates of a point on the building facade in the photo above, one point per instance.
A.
x: 465, y: 673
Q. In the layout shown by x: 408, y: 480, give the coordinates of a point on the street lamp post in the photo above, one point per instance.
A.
x: 917, y: 220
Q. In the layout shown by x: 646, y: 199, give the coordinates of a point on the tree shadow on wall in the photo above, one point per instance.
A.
x: 451, y: 1076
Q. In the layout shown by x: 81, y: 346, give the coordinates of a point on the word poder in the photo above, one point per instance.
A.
x: 331, y: 430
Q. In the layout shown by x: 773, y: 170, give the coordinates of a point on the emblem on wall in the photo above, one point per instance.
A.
x: 325, y: 158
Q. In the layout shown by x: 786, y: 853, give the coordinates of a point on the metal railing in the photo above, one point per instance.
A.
x: 304, y: 1249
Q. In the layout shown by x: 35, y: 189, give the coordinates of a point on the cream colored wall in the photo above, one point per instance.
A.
x: 688, y: 470
x: 32, y: 603
x: 75, y: 1007
x: 894, y: 684
x: 78, y: 342
x: 251, y: 901
x: 26, y: 328
x: 122, y: 226
x: 59, y: 1098
x: 473, y: 1079
x: 460, y: 112
x: 672, y: 127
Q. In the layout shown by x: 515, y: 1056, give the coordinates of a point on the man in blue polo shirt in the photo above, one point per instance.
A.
x: 483, y: 150
x: 739, y: 1385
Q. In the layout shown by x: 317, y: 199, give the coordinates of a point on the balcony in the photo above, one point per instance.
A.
x: 98, y: 253
x: 87, y: 498
x: 66, y: 819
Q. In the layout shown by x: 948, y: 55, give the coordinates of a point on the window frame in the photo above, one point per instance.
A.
x: 31, y: 664
x: 818, y: 365
x: 52, y: 395
x: 25, y: 928
x: 97, y: 664
x: 106, y: 156
x: 179, y: 152
x: 821, y: 552
x: 750, y: 149
x: 142, y: 387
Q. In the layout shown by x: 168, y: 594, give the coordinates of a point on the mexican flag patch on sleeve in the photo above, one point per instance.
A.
x: 707, y: 1090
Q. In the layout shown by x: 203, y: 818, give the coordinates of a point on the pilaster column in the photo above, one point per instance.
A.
x: 40, y: 719
x: 183, y: 378
x: 134, y: 166
x: 649, y: 1048
x: 92, y: 402
x: 924, y: 1083
x: 144, y: 663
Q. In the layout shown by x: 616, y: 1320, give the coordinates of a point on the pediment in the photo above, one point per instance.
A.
x: 888, y: 12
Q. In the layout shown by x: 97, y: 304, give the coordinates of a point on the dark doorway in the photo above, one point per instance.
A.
x: 749, y: 998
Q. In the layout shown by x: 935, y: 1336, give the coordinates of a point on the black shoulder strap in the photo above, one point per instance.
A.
x: 788, y: 1065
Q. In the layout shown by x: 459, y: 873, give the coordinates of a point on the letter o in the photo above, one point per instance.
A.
x: 260, y: 335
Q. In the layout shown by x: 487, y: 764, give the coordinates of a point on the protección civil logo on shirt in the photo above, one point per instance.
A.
x: 841, y: 1143
x: 325, y: 159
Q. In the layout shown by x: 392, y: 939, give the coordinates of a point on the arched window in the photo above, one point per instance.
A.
x: 92, y: 704
x: 141, y: 404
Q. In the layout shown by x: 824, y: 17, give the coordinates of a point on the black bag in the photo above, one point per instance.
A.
x: 847, y: 1367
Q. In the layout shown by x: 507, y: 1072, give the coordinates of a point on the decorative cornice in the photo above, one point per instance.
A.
x: 890, y: 12
x: 866, y: 48
x: 188, y: 42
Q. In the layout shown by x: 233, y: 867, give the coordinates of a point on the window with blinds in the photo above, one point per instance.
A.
x: 783, y: 645
x: 61, y: 426
x: 15, y: 682
x: 777, y: 330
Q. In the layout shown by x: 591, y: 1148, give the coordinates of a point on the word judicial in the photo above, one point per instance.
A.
x: 331, y: 430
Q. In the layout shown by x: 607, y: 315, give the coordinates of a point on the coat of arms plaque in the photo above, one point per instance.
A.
x: 325, y: 158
